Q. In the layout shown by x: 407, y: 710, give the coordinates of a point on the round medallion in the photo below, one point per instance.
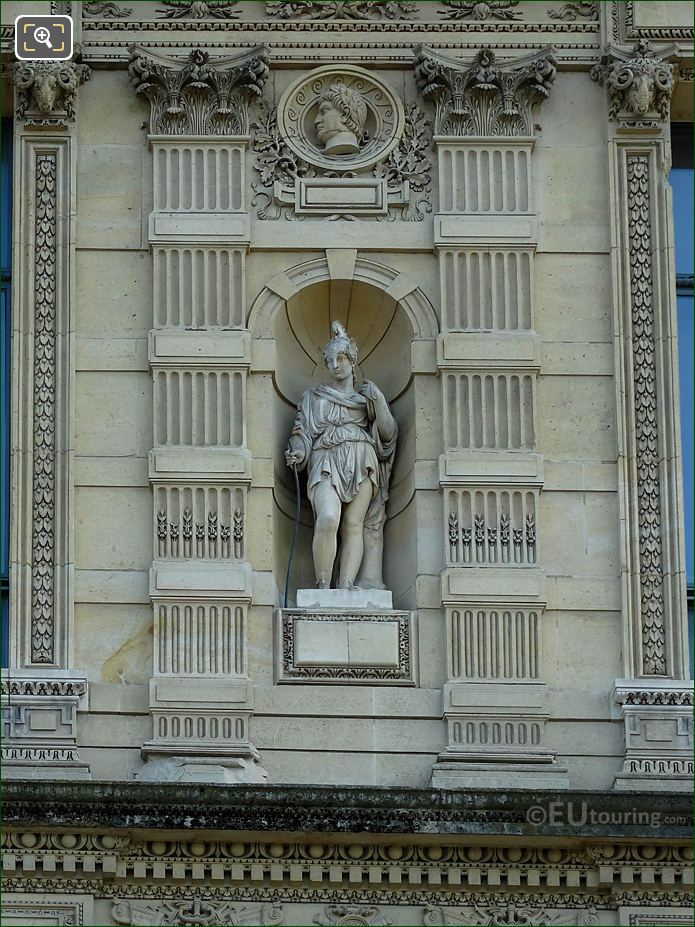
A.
x: 340, y: 118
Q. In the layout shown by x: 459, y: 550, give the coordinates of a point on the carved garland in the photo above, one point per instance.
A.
x: 646, y: 428
x: 43, y: 501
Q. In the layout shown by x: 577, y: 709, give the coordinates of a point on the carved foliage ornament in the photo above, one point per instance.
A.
x: 198, y: 96
x: 406, y: 172
x: 342, y: 9
x: 645, y: 417
x: 507, y: 915
x: 47, y: 90
x: 639, y: 85
x: 492, y: 9
x: 484, y: 98
x: 199, y: 9
x: 197, y: 911
x: 352, y: 915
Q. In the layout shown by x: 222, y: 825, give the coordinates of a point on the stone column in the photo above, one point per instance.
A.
x: 200, y: 468
x: 41, y: 691
x: 493, y: 585
x: 653, y: 699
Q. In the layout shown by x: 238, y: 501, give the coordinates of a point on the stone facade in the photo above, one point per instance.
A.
x: 492, y: 222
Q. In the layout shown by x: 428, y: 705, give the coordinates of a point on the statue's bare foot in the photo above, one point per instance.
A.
x: 323, y: 584
x: 346, y: 584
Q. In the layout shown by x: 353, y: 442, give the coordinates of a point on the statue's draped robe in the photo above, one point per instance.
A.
x: 339, y: 437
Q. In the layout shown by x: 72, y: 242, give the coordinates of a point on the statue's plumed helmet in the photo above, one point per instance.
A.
x: 350, y: 104
x: 341, y: 343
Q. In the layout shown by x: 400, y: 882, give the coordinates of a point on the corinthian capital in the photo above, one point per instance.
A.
x: 199, y: 95
x: 482, y: 96
x: 639, y: 85
x: 47, y: 90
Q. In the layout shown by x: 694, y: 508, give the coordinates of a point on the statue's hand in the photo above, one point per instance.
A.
x: 293, y: 457
x: 371, y: 391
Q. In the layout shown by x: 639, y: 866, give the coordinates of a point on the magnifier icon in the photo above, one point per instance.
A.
x: 42, y: 35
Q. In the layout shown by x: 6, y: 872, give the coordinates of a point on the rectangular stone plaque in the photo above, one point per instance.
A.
x: 323, y: 196
x: 360, y: 647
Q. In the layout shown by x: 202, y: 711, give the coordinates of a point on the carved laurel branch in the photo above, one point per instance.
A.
x: 197, y: 96
x: 407, y: 166
x: 199, y: 9
x: 484, y: 98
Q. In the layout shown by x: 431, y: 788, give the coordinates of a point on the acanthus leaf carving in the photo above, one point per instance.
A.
x: 198, y: 96
x: 47, y: 90
x: 342, y: 9
x: 639, y: 85
x: 483, y: 97
x: 480, y: 9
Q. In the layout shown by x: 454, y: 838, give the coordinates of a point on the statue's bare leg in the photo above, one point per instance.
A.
x: 352, y: 535
x: 327, y: 507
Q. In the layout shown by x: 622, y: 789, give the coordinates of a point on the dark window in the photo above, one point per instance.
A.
x: 6, y: 249
x: 682, y: 184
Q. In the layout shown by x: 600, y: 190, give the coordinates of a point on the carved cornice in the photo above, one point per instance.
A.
x: 199, y: 95
x: 482, y: 97
x: 46, y: 91
x: 639, y: 85
x: 675, y: 697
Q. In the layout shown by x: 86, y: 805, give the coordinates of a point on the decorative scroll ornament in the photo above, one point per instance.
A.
x: 47, y: 90
x: 639, y: 85
x: 199, y: 96
x: 585, y: 9
x: 507, y: 915
x: 107, y: 10
x: 492, y: 9
x: 645, y: 417
x: 199, y: 9
x: 484, y: 98
x: 342, y: 9
x: 198, y: 911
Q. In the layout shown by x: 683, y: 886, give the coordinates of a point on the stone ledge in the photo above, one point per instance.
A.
x: 322, y: 809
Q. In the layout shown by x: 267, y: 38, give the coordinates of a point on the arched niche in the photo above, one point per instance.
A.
x: 387, y: 315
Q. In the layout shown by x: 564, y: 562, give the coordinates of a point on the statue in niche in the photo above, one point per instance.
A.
x: 346, y: 440
x: 341, y: 119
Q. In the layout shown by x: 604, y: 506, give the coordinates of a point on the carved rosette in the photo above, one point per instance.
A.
x: 46, y: 91
x: 198, y: 95
x: 483, y: 97
x: 639, y: 86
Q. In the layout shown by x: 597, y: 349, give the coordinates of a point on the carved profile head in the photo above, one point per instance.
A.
x: 341, y: 118
x: 340, y: 343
